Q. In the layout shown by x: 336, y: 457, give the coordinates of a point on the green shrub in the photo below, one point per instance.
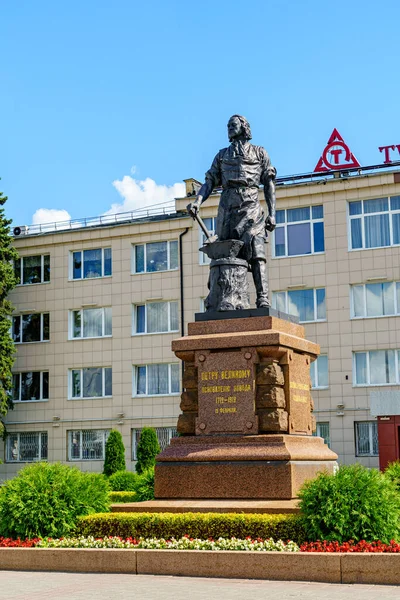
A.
x: 115, y: 454
x: 196, y: 525
x: 121, y: 497
x: 392, y: 472
x: 147, y: 450
x: 354, y: 504
x: 144, y: 486
x: 123, y: 481
x: 46, y: 500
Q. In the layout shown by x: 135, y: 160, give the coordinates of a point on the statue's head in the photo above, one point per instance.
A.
x: 238, y: 126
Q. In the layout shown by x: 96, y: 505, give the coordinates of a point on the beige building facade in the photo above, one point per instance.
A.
x: 100, y: 302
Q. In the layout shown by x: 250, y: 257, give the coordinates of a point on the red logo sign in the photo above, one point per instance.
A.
x: 336, y: 155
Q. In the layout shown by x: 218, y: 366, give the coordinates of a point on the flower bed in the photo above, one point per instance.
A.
x: 184, y: 543
x: 187, y: 543
x: 350, y: 546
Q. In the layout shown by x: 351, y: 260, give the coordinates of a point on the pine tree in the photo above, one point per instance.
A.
x: 7, y: 282
x: 147, y: 450
x: 115, y: 454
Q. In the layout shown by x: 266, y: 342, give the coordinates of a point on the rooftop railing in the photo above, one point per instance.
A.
x: 168, y: 208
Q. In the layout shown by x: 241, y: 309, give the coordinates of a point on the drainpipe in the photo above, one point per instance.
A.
x: 181, y: 286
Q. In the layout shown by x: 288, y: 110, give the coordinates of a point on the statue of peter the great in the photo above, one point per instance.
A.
x: 240, y: 169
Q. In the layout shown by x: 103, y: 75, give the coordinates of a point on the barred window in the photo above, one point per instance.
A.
x: 32, y: 269
x: 30, y: 386
x: 164, y: 436
x: 26, y: 447
x: 366, y: 438
x: 87, y: 444
x: 323, y: 430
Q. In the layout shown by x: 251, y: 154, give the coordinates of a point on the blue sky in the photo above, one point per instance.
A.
x: 98, y: 97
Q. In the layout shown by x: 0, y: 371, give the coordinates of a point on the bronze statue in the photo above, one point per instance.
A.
x: 242, y: 227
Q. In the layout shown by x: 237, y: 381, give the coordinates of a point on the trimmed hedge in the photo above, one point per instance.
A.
x: 196, y: 525
x: 118, y: 497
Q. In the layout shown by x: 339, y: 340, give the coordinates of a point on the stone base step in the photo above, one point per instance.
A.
x: 210, y: 506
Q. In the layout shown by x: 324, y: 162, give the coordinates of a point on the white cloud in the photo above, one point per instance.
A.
x: 50, y: 215
x: 140, y: 194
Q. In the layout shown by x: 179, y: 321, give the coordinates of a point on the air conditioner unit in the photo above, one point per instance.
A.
x: 21, y: 230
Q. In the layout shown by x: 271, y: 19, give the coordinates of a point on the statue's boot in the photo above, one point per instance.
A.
x: 259, y: 270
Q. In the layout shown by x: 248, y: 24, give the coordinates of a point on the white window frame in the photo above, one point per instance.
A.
x: 311, y: 220
x: 134, y: 318
x: 315, y: 307
x: 39, y: 435
x: 317, y: 386
x: 362, y: 215
x: 21, y: 261
x: 171, y: 432
x: 82, y: 397
x: 106, y: 433
x: 82, y: 310
x: 147, y: 395
x: 41, y: 399
x: 168, y: 242
x: 396, y: 368
x: 318, y: 432
x: 203, y: 258
x: 20, y: 316
x: 371, y: 438
x: 365, y: 316
x: 71, y: 265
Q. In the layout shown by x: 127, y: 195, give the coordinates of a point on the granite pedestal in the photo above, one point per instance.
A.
x: 246, y: 424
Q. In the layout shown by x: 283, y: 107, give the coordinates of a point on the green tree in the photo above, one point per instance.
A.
x: 115, y: 454
x: 7, y: 282
x: 147, y: 450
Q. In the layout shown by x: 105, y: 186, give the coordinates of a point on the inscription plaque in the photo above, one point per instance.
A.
x: 226, y: 392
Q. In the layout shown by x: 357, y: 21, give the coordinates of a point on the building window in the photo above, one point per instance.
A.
x: 31, y: 386
x: 164, y: 436
x: 308, y: 305
x: 32, y: 269
x: 374, y: 223
x: 155, y: 317
x: 319, y: 372
x: 157, y: 256
x: 375, y: 300
x: 26, y: 447
x: 299, y: 231
x: 211, y: 224
x: 156, y: 380
x: 33, y: 327
x: 376, y: 367
x: 87, y: 264
x: 323, y: 431
x: 90, y: 323
x: 366, y: 438
x: 91, y: 382
x: 87, y: 444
